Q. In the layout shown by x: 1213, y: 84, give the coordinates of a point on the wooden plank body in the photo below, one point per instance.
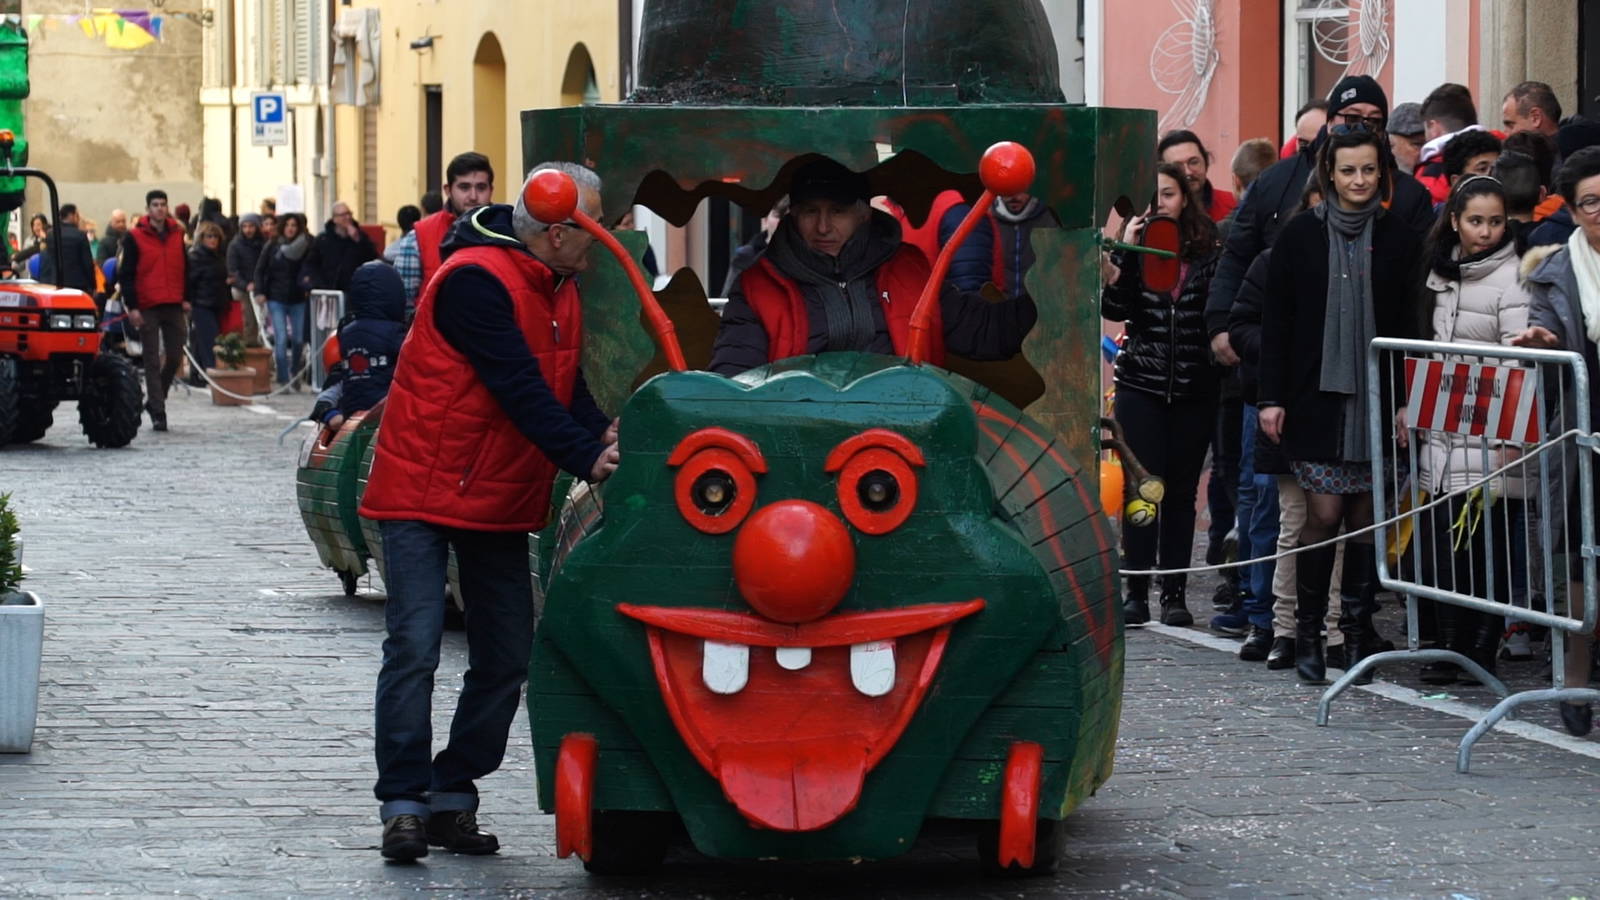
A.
x: 326, y: 490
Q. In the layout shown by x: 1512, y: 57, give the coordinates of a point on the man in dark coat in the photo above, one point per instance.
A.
x: 244, y: 251
x: 338, y: 251
x: 111, y: 237
x: 1355, y: 102
x: 77, y: 262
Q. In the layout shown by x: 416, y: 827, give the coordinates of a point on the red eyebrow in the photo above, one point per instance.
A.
x: 873, y: 437
x: 740, y: 445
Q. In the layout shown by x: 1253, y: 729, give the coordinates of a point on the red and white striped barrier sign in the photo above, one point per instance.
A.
x: 1496, y: 402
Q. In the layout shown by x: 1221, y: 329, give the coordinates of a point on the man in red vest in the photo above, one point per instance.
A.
x: 836, y: 276
x: 151, y: 276
x: 487, y: 403
x: 469, y: 183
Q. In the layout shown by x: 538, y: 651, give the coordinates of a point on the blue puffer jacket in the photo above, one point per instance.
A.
x: 370, y: 336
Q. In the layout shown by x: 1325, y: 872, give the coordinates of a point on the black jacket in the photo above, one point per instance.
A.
x: 110, y: 241
x: 1295, y: 301
x: 371, y: 334
x: 1244, y: 333
x: 973, y: 327
x: 334, y: 257
x: 206, y: 281
x: 278, y: 277
x: 1267, y: 208
x: 1167, y: 353
x: 77, y: 262
x: 243, y: 254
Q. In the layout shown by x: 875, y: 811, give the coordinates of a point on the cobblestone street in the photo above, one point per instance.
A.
x: 205, y: 730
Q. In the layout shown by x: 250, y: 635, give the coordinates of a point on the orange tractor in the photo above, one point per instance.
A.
x: 50, y: 350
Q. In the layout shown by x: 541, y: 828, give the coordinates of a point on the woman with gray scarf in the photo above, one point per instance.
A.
x: 280, y: 283
x: 1340, y: 275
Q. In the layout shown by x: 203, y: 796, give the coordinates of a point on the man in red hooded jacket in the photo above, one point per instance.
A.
x: 487, y: 403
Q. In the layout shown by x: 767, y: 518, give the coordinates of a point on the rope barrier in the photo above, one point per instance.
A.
x: 249, y: 398
x: 1441, y: 499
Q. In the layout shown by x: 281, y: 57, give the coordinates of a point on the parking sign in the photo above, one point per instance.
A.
x: 269, y: 121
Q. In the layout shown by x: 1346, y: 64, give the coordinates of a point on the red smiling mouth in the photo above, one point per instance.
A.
x: 790, y: 718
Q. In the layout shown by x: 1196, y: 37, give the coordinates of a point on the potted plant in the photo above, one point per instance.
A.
x: 232, y: 381
x: 21, y: 642
x: 258, y: 356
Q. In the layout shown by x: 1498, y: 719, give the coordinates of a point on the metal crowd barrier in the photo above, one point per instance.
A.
x: 1486, y: 501
x: 327, y: 308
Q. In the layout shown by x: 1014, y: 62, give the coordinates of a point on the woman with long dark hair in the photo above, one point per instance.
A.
x: 278, y: 281
x: 1166, y: 385
x: 1339, y: 277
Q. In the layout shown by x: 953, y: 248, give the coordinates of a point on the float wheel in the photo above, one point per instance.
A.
x: 1020, y: 843
x: 575, y: 796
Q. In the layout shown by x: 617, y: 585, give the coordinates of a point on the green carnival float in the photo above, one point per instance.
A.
x: 836, y: 597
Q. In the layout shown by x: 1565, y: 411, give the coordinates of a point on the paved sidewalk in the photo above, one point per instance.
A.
x: 205, y: 730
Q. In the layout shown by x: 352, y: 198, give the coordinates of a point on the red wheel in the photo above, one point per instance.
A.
x: 1019, y: 804
x: 575, y: 796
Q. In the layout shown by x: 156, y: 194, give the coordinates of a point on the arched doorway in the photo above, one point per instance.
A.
x: 578, y: 85
x: 489, y: 106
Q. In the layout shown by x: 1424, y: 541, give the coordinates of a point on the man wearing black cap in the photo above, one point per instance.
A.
x: 835, y: 276
x: 1357, y: 101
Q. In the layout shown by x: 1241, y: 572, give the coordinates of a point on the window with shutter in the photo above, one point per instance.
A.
x: 282, y: 69
x: 369, y: 164
x: 306, y: 16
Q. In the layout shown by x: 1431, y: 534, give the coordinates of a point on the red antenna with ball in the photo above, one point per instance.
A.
x: 1006, y: 168
x: 551, y: 196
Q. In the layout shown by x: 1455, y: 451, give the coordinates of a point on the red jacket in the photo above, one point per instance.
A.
x: 778, y: 303
x: 1222, y: 203
x: 431, y: 232
x: 154, y: 265
x: 447, y: 452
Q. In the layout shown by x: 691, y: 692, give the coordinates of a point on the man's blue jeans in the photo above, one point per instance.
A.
x: 498, y: 593
x: 1258, y: 524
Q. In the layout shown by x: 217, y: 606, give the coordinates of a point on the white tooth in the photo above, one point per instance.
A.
x: 872, y: 667
x: 725, y: 667
x: 794, y: 658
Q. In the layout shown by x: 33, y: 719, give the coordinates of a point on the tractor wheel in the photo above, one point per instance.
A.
x: 34, y: 418
x: 112, y: 402
x: 629, y: 842
x: 10, y: 400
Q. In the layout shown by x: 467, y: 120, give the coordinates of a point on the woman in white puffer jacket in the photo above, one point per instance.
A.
x: 1474, y: 290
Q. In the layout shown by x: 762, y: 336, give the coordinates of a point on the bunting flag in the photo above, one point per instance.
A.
x: 121, y: 29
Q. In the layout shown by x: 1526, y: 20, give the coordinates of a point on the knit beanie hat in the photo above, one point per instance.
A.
x: 250, y: 219
x: 1357, y: 89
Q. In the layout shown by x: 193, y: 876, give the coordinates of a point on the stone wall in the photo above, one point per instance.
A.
x: 109, y: 124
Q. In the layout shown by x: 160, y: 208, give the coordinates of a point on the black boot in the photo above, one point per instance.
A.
x: 1359, y: 598
x: 1136, y: 600
x: 1452, y: 636
x: 1484, y: 645
x: 1314, y: 571
x: 1174, y: 606
x: 1281, y: 656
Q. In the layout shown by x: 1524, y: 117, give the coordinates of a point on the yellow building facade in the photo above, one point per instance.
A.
x: 450, y: 76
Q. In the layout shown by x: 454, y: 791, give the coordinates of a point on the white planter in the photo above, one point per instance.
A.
x: 21, y: 647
